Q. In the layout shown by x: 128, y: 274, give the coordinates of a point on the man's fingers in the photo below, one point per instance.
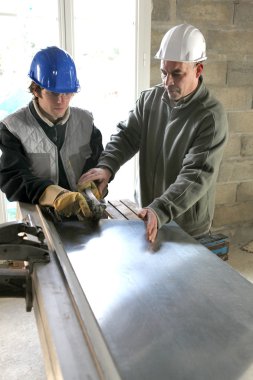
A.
x: 150, y: 220
x: 87, y: 177
x: 101, y: 187
x: 142, y: 213
x: 151, y: 228
x: 97, y: 174
x: 151, y: 233
x: 90, y: 175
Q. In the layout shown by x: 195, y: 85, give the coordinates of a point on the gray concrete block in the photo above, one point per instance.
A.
x: 245, y: 191
x: 161, y: 10
x: 233, y: 98
x: 230, y: 41
x: 211, y: 12
x: 155, y: 74
x: 232, y: 214
x: 157, y: 35
x: 247, y: 145
x: 240, y: 73
x: 243, y: 13
x: 240, y: 121
x: 233, y: 147
x: 235, y: 170
x: 215, y: 73
x: 225, y: 194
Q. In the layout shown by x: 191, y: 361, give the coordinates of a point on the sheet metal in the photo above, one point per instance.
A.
x: 171, y: 310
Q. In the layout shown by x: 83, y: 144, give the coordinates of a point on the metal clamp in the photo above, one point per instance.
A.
x: 21, y: 241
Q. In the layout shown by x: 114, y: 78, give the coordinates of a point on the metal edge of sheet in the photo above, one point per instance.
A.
x: 80, y: 348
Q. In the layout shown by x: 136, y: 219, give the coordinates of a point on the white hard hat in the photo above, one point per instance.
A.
x: 183, y: 43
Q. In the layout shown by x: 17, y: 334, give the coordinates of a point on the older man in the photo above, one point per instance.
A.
x: 179, y: 130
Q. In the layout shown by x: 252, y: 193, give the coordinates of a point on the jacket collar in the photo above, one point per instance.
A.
x: 61, y: 121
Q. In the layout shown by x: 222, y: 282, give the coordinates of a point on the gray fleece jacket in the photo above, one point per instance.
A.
x: 180, y: 151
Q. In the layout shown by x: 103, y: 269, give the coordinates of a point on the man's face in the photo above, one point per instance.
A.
x: 180, y: 78
x: 53, y: 105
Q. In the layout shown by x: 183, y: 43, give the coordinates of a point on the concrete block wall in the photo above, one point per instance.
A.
x: 228, y: 28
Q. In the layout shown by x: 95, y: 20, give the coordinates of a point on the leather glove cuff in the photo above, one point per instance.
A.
x: 50, y: 194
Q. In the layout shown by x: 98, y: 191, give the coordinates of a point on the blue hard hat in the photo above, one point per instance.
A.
x: 53, y: 68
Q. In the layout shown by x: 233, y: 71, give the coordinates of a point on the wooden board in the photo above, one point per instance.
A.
x: 122, y: 209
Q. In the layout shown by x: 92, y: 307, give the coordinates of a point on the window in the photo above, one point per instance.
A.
x: 26, y: 26
x: 105, y: 55
x: 104, y: 38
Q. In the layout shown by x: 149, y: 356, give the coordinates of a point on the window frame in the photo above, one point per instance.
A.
x: 142, y: 33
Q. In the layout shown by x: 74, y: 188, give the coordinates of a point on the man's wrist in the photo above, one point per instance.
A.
x: 109, y: 170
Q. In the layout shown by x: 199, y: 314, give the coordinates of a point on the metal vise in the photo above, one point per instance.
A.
x: 25, y: 242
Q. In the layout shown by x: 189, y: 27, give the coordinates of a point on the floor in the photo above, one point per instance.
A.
x: 20, y: 351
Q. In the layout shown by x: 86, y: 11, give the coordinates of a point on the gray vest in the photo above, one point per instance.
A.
x: 42, y: 152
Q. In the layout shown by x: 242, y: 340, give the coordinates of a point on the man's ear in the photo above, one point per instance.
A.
x: 36, y: 90
x: 36, y: 94
x: 199, y: 70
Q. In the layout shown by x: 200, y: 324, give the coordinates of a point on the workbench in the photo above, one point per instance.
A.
x: 110, y: 305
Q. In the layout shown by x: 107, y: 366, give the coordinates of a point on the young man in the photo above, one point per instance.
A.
x: 179, y: 130
x: 47, y: 145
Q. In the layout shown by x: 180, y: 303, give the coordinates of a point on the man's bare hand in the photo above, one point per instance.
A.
x: 100, y: 176
x: 150, y: 220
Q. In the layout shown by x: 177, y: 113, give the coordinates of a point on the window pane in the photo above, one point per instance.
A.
x: 25, y: 26
x: 105, y: 57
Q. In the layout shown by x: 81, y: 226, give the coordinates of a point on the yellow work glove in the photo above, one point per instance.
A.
x: 89, y: 185
x: 65, y: 202
x: 72, y: 203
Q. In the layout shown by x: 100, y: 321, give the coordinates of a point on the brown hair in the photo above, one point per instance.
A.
x: 35, y: 87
